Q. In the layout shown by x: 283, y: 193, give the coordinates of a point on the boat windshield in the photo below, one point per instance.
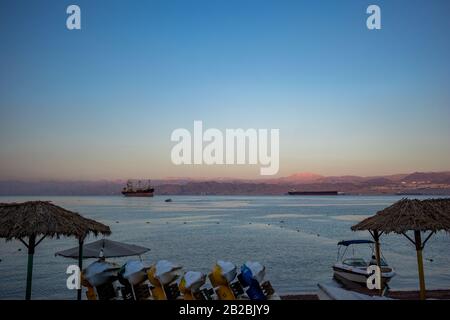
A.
x: 355, y: 262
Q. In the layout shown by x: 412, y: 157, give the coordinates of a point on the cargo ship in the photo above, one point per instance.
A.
x: 313, y: 193
x: 138, y: 191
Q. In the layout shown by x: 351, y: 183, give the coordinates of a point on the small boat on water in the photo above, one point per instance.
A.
x: 350, y: 267
x: 130, y: 190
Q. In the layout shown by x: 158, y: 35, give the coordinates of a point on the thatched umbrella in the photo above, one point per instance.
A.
x: 419, y: 216
x: 41, y: 219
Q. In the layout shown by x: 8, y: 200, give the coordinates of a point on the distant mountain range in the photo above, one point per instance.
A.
x: 428, y: 183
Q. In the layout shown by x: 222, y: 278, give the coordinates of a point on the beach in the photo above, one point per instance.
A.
x: 294, y: 237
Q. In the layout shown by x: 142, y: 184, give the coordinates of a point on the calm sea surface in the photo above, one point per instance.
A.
x: 294, y: 237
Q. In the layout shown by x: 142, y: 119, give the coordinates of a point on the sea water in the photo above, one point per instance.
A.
x: 295, y: 237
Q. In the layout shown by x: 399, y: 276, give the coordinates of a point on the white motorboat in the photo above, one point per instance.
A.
x: 350, y: 267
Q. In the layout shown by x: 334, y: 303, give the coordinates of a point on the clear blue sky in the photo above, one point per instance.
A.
x: 102, y: 102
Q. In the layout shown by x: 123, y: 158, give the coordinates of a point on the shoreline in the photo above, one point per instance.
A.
x: 436, y: 294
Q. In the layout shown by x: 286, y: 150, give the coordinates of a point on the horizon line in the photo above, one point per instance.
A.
x: 318, y: 175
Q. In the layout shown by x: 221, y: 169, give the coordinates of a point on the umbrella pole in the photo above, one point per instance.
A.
x: 31, y: 247
x: 376, y: 237
x: 418, y: 241
x: 80, y: 263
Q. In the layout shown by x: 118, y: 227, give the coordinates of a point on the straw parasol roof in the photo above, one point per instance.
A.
x: 410, y: 214
x: 20, y: 220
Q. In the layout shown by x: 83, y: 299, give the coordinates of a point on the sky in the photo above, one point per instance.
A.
x: 102, y: 102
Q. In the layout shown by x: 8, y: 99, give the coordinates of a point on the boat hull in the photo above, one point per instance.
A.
x: 137, y: 194
x: 359, y: 276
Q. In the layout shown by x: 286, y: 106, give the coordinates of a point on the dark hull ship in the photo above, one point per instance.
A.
x: 131, y: 191
x: 313, y: 193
